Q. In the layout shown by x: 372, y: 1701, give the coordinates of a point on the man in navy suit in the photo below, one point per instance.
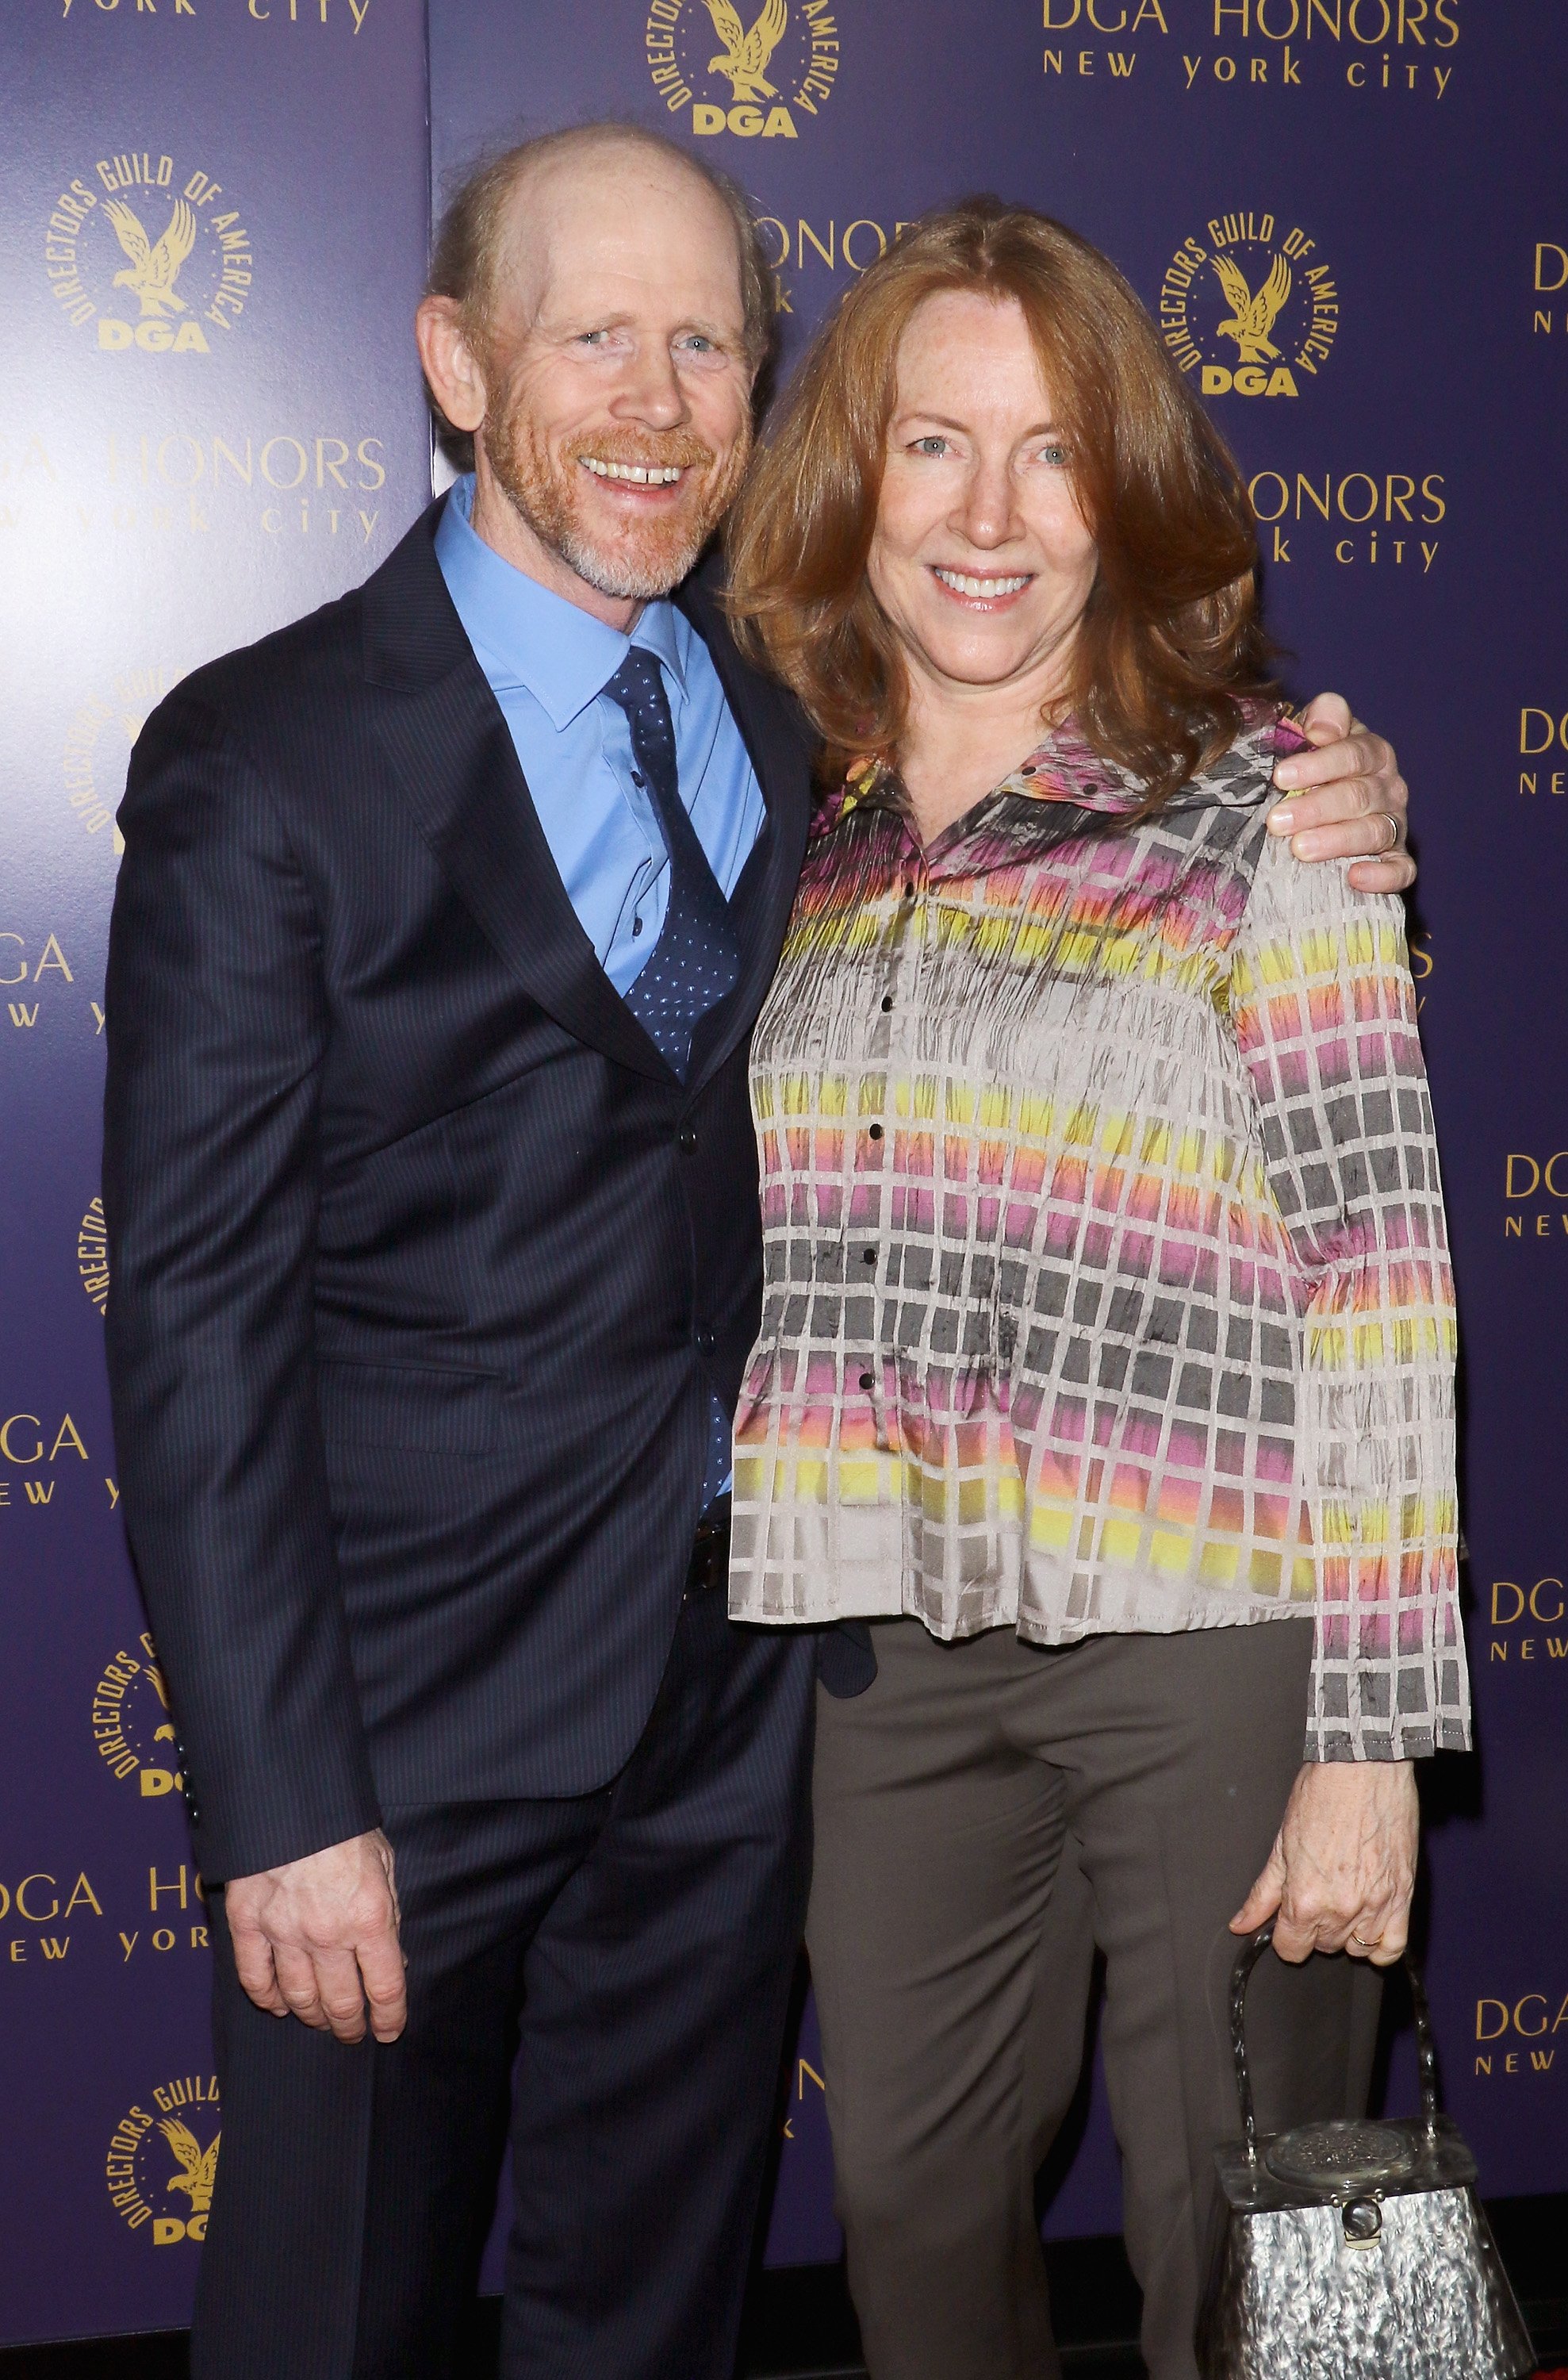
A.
x: 444, y: 918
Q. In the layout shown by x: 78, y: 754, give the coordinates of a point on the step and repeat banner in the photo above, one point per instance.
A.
x: 213, y: 231
x: 1351, y: 220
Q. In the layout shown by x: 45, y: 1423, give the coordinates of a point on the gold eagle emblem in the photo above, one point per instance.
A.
x: 1251, y: 319
x: 152, y: 271
x: 745, y: 56
x: 200, y: 2165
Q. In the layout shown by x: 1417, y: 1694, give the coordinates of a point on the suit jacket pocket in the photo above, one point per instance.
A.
x: 428, y: 1406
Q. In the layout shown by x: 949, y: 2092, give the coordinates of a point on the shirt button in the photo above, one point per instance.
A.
x: 704, y: 1343
x: 688, y: 1138
x: 636, y: 925
x: 887, y: 1002
x: 636, y: 779
x: 875, y: 1131
x: 865, y: 1380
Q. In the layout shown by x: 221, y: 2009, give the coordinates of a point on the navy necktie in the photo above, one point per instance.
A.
x: 697, y: 960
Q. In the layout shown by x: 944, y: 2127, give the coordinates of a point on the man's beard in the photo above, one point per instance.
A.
x: 641, y: 559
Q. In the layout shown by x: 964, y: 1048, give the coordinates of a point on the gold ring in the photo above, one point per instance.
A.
x: 1364, y: 1944
x: 1391, y: 846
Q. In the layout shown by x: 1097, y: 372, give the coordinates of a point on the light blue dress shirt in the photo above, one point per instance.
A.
x: 547, y: 664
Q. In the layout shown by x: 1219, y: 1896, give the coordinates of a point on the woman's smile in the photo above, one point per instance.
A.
x: 981, y: 590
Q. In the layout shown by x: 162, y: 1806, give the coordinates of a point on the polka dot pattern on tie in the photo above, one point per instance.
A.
x: 695, y: 961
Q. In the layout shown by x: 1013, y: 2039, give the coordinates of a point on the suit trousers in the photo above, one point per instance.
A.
x: 987, y: 1814
x: 605, y: 1977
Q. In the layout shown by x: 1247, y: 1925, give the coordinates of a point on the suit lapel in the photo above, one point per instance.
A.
x: 456, y: 767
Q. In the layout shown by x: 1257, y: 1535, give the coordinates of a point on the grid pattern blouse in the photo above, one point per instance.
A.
x: 1107, y: 1283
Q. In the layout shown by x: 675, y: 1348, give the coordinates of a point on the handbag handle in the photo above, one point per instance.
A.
x: 1247, y: 1959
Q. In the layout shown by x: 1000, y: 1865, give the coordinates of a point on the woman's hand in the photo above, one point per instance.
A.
x: 1356, y: 791
x: 1343, y: 1867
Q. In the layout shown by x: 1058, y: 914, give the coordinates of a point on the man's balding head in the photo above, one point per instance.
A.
x: 597, y: 312
x: 495, y: 219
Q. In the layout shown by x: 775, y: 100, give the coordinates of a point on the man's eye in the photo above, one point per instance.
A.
x: 699, y: 345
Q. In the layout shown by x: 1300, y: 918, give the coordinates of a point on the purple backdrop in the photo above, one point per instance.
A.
x: 175, y: 481
x: 159, y: 501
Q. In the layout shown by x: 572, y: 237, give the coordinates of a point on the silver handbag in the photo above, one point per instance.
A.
x: 1355, y: 2251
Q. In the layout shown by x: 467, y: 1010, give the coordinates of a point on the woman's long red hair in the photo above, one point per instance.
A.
x: 1170, y: 645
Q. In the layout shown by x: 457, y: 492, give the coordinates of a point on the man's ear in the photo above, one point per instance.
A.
x: 452, y: 371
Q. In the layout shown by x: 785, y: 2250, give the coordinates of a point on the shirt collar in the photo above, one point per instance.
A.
x: 1062, y: 767
x: 527, y: 635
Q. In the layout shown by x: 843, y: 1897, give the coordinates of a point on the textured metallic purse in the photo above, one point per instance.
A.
x: 1355, y: 2251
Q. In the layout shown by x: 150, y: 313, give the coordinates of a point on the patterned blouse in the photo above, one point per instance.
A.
x: 1107, y: 1283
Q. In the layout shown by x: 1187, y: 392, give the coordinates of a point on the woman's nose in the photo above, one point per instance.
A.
x: 985, y: 515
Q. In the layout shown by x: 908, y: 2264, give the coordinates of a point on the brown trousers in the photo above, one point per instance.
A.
x: 986, y: 1815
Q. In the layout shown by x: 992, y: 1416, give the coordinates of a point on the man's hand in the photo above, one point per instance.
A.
x: 1356, y: 790
x: 1343, y: 1867
x: 307, y: 1934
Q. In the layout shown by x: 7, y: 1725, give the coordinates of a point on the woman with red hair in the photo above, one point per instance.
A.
x: 1106, y: 1357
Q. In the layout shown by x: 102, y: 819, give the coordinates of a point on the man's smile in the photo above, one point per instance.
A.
x: 649, y: 475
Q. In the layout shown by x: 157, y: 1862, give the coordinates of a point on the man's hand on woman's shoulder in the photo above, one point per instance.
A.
x: 318, y: 1937
x: 1350, y: 800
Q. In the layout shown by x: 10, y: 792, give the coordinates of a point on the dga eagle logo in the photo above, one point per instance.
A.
x: 153, y: 271
x: 1251, y: 319
x: 1250, y: 308
x: 132, y: 1725
x: 745, y: 56
x: 163, y: 2161
x: 780, y: 67
x: 178, y: 251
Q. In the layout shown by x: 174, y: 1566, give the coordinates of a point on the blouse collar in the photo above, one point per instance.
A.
x: 1063, y: 767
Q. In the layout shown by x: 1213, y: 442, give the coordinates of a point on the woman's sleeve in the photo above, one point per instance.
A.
x: 1324, y: 1011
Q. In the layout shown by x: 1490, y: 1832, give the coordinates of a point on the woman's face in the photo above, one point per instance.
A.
x: 980, y: 557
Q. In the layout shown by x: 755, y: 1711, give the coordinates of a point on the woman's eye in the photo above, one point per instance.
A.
x: 932, y: 446
x: 1054, y: 455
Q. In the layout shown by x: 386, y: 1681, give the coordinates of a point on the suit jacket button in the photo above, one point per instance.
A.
x: 704, y: 1343
x: 688, y: 1138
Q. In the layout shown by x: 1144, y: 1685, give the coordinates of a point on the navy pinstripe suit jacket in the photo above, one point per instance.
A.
x: 421, y: 1256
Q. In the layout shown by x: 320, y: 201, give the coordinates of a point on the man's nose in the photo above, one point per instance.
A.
x: 650, y: 391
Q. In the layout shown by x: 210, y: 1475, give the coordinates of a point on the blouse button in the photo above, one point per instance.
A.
x: 875, y: 1131
x: 868, y: 1256
x: 887, y: 1002
x: 865, y: 1380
